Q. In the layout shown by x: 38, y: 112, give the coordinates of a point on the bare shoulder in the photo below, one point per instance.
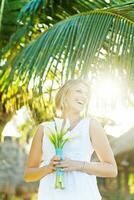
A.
x: 39, y: 130
x: 95, y: 123
x: 98, y: 133
x: 38, y: 134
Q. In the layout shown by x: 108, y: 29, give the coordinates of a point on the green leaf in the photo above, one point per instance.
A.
x: 83, y: 45
x: 77, y: 44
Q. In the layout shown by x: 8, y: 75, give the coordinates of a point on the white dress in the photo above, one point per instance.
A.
x: 78, y: 185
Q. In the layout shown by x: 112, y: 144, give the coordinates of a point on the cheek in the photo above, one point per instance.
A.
x: 70, y: 101
x: 70, y: 96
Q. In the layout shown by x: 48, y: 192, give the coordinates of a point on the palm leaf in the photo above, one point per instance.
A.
x: 94, y: 41
x: 57, y: 10
x: 77, y: 43
x: 1, y: 12
x: 54, y: 6
x: 9, y: 10
x: 30, y: 8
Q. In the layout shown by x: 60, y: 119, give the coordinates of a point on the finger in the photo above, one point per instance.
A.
x: 55, y: 162
x: 66, y: 169
x: 65, y: 162
x: 56, y: 158
x: 62, y: 165
x: 53, y: 168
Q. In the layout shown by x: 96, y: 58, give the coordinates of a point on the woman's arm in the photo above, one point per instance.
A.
x: 33, y: 172
x: 107, y: 166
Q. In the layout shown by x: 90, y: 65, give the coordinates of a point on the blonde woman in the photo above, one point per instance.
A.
x: 80, y: 173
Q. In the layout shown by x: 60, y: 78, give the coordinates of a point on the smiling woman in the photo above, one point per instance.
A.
x: 87, y: 136
x: 75, y: 93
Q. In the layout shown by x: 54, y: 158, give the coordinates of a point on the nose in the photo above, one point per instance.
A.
x: 83, y: 98
x: 84, y: 95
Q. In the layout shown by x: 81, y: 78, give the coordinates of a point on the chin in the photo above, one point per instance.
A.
x: 78, y: 110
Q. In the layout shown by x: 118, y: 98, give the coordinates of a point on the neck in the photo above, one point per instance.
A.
x: 73, y: 117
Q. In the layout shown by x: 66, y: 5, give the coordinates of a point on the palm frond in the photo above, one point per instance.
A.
x: 16, y: 38
x: 124, y: 9
x: 30, y: 8
x: 36, y: 12
x: 1, y: 12
x: 93, y: 41
x: 52, y: 7
x: 9, y: 10
x: 77, y: 43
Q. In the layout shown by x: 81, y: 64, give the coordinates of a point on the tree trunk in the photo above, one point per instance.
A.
x: 126, y: 184
x: 119, y: 180
x: 4, y: 118
x: 6, y: 197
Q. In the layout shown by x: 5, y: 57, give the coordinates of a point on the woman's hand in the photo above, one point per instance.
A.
x: 69, y: 165
x: 53, y: 162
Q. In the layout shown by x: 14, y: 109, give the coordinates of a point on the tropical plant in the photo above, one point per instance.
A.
x: 35, y: 17
x: 8, y: 25
x: 94, y: 41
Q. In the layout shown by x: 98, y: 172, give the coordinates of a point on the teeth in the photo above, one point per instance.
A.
x: 80, y: 102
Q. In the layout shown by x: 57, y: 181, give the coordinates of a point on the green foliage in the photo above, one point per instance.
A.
x: 27, y: 130
x: 30, y: 8
x: 78, y: 44
x: 9, y: 10
x: 114, y: 196
x: 97, y: 40
x: 44, y: 13
x: 131, y: 183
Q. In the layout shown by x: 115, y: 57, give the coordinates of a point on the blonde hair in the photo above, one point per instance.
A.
x: 60, y: 96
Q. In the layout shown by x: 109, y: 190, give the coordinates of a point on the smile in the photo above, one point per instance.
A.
x: 80, y: 102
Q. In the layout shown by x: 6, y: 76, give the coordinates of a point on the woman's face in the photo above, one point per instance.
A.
x: 77, y: 97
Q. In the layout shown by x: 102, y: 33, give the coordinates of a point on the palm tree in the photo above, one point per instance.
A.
x: 99, y: 39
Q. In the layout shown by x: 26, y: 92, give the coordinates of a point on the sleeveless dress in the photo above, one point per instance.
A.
x: 78, y: 185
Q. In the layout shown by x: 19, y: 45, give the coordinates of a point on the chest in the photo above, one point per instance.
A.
x: 79, y: 146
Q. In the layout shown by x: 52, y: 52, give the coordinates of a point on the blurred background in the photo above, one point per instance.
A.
x: 43, y: 44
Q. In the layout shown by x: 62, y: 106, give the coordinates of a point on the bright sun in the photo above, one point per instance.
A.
x: 108, y: 90
x: 107, y: 101
x: 106, y: 94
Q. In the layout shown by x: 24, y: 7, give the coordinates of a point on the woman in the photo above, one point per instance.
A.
x: 80, y: 173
